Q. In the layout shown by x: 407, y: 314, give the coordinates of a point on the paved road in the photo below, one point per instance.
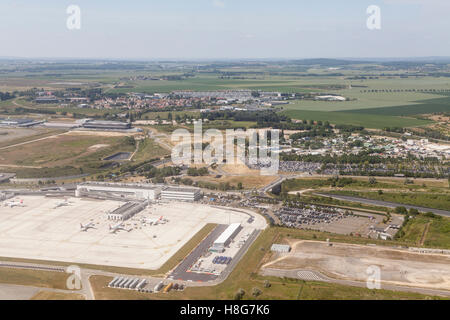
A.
x: 308, y: 275
x: 15, y: 292
x: 385, y: 203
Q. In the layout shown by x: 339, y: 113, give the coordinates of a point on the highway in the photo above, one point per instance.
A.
x: 385, y: 203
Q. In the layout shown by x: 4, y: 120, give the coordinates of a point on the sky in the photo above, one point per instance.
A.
x: 224, y: 29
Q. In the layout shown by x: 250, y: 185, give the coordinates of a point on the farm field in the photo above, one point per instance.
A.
x: 363, y: 101
x: 378, y: 109
x: 437, y: 104
x: 357, y: 119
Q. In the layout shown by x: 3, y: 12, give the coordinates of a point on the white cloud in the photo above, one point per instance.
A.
x: 422, y: 2
x: 218, y: 3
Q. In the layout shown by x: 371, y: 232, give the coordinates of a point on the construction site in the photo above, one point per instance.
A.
x: 349, y: 263
x: 125, y: 232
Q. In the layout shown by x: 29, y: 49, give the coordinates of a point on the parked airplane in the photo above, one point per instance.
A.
x: 87, y: 227
x: 62, y: 204
x: 13, y: 204
x: 153, y: 221
x: 118, y: 227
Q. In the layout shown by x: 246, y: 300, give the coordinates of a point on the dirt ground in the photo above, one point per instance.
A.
x: 10, y: 134
x: 351, y: 262
x: 253, y: 181
x: 103, y: 133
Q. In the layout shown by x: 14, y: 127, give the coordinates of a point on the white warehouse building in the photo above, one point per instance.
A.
x: 182, y: 194
x: 131, y: 191
x: 225, y: 238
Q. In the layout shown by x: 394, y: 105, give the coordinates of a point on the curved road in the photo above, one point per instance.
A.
x: 385, y: 203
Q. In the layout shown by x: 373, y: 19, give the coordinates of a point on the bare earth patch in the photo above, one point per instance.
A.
x: 351, y: 261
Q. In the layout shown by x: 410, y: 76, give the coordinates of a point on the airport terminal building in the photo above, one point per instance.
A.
x: 130, y: 191
x: 181, y: 194
x: 140, y: 192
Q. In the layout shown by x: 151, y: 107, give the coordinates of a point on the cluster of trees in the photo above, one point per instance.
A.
x: 223, y: 186
x: 21, y: 110
x: 6, y: 96
x: 194, y: 172
x: 340, y: 182
x: 349, y: 128
x: 315, y: 132
x: 158, y: 175
x: 258, y: 116
x: 394, y: 129
x: 363, y: 157
x: 433, y: 134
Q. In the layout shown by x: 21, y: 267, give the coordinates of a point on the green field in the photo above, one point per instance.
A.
x: 357, y: 119
x: 433, y: 232
x: 63, y: 155
x: 422, y: 198
x: 425, y: 106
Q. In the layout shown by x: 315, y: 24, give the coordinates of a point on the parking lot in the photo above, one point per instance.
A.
x: 330, y: 219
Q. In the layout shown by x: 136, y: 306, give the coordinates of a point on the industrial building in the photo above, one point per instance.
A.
x: 48, y: 99
x: 127, y: 191
x: 225, y: 238
x: 181, y: 194
x: 280, y: 248
x: 127, y: 211
x: 20, y: 123
x: 5, y: 177
x: 106, y: 125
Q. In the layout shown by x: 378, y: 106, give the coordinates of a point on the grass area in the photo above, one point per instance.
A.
x: 48, y: 295
x: 425, y: 106
x: 437, y: 234
x: 248, y: 182
x: 307, y: 183
x: 212, y: 82
x: 63, y: 155
x: 422, y: 199
x: 245, y: 276
x: 35, y: 278
x: 357, y: 119
x: 39, y: 135
x: 149, y: 149
x: 363, y: 101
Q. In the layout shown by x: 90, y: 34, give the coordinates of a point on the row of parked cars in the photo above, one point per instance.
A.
x: 221, y: 260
